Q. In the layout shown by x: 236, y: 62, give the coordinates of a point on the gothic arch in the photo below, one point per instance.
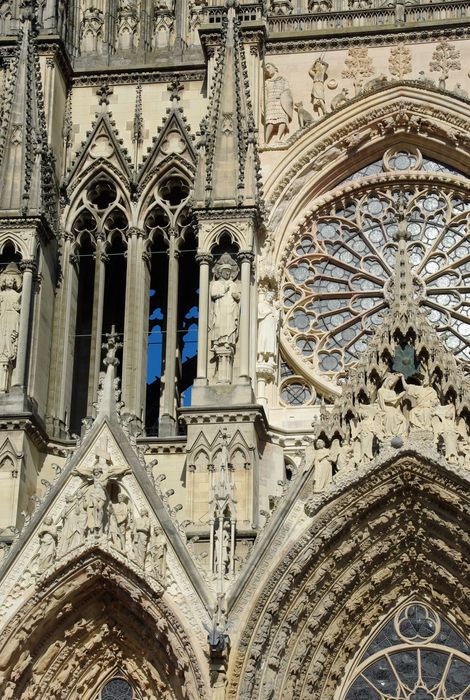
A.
x: 391, y: 533
x: 89, y: 620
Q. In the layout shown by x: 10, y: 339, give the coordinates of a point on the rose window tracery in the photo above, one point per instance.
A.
x: 417, y: 655
x: 337, y: 277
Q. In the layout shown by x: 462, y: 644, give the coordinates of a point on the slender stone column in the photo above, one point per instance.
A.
x: 246, y: 258
x: 135, y: 325
x: 168, y: 417
x: 28, y: 267
x: 97, y: 325
x: 204, y: 260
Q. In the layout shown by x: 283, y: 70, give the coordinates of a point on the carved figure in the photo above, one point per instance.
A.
x: 269, y: 318
x: 10, y: 306
x: 340, y: 99
x: 118, y: 521
x: 304, y: 117
x: 279, y: 103
x: 47, y: 545
x: 96, y: 495
x: 423, y: 399
x: 323, y: 468
x: 281, y: 7
x: 225, y: 295
x: 394, y: 422
x: 444, y: 425
x: 141, y: 537
x: 368, y: 427
x: 158, y: 550
x: 320, y: 5
x: 318, y: 74
x: 74, y: 518
x: 222, y: 548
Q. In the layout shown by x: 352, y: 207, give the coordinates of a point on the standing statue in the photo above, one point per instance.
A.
x: 74, y: 519
x: 279, y: 103
x: 369, y: 427
x: 318, y: 74
x: 118, y: 520
x: 444, y: 425
x: 158, y: 550
x: 47, y: 545
x: 141, y: 537
x: 10, y: 306
x: 225, y: 295
x: 394, y: 422
x: 269, y: 317
x: 323, y: 468
x: 222, y: 548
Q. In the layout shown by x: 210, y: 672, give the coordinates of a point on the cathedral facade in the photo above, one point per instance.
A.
x: 234, y: 350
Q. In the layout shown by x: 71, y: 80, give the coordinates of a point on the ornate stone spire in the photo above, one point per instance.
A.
x: 228, y: 136
x: 26, y: 163
x: 108, y: 403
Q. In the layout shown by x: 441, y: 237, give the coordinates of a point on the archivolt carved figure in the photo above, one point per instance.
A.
x: 47, y: 545
x: 225, y: 295
x: 10, y: 297
x: 279, y: 103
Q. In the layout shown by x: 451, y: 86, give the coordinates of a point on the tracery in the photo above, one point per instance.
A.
x: 416, y: 655
x: 338, y: 271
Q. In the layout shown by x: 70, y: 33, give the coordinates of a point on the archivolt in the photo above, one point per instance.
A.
x: 90, y: 620
x: 398, y: 533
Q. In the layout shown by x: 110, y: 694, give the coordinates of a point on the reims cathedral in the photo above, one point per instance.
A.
x: 234, y: 350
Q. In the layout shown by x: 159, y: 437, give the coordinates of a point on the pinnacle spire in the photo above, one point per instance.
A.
x: 228, y: 135
x: 108, y: 397
x: 25, y: 149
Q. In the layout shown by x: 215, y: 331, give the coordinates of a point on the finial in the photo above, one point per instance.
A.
x: 175, y: 88
x: 111, y: 346
x: 104, y: 92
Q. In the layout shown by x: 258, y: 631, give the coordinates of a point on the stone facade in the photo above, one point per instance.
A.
x: 234, y: 350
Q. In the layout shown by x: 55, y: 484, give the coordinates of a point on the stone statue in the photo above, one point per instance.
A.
x: 225, y: 295
x: 364, y: 432
x: 47, y: 545
x: 444, y: 425
x: 394, y: 422
x: 340, y: 99
x: 158, y: 550
x: 74, y: 519
x: 118, y: 521
x: 318, y: 74
x: 222, y: 548
x: 323, y: 468
x: 141, y: 536
x: 424, y: 400
x: 96, y: 495
x: 269, y: 318
x: 10, y: 306
x: 303, y: 115
x: 279, y: 103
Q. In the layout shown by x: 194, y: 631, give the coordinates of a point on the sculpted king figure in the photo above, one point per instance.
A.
x: 10, y: 287
x: 268, y: 327
x: 225, y: 295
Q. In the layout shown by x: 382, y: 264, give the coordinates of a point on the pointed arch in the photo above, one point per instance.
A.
x: 92, y: 618
x: 393, y: 532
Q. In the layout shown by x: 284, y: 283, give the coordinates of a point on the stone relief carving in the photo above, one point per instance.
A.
x: 10, y: 307
x: 444, y: 59
x: 358, y: 67
x: 47, y: 545
x: 281, y: 7
x: 225, y: 314
x: 279, y: 103
x: 303, y: 115
x: 399, y: 62
x: 318, y: 74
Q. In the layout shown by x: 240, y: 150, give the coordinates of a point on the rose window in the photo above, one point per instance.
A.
x: 341, y: 261
x: 416, y: 656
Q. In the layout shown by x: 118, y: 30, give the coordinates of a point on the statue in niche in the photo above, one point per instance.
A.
x: 322, y: 467
x: 269, y: 319
x: 222, y: 547
x: 364, y: 432
x: 445, y: 426
x: 118, y: 523
x: 158, y: 550
x: 393, y: 421
x: 225, y: 295
x: 141, y: 537
x: 10, y: 307
x: 318, y: 74
x: 279, y: 103
x: 47, y: 545
x: 74, y: 520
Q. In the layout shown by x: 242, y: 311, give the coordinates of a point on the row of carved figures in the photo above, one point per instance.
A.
x: 90, y: 516
x: 279, y: 101
x: 397, y: 415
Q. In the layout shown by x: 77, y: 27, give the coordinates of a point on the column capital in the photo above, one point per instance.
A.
x: 134, y: 231
x: 204, y: 258
x: 28, y: 265
x: 246, y: 256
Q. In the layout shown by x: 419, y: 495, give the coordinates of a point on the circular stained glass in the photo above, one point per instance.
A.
x: 334, y: 287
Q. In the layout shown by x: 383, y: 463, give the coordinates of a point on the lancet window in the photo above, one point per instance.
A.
x: 416, y: 655
x: 340, y: 262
